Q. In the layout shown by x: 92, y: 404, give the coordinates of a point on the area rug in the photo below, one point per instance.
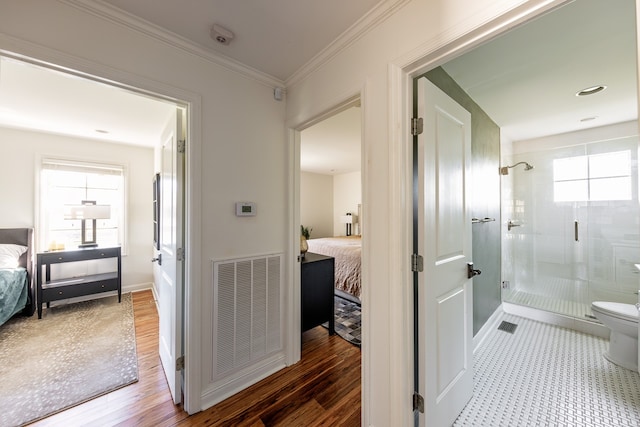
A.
x: 347, y: 320
x: 75, y: 353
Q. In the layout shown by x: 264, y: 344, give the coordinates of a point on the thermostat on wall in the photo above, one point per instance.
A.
x: 245, y: 209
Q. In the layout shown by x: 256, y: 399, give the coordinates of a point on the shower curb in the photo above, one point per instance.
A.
x: 580, y: 325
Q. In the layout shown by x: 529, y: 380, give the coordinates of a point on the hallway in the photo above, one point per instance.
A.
x: 323, y: 389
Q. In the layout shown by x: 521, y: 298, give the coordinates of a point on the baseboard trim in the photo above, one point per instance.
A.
x: 220, y: 390
x: 488, y: 326
x: 137, y: 287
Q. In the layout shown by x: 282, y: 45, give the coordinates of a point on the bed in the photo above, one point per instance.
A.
x: 17, y: 282
x: 347, y: 253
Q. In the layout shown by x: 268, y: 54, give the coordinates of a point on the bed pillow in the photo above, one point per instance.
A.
x: 10, y: 255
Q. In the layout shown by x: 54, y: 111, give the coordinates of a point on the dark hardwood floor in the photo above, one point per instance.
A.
x: 323, y: 389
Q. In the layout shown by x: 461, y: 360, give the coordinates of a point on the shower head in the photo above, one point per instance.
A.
x: 505, y: 169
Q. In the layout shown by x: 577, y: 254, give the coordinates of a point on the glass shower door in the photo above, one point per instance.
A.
x: 614, y: 220
x: 570, y: 210
x: 577, y: 227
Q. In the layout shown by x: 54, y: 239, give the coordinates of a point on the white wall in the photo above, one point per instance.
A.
x: 325, y: 198
x: 239, y: 159
x: 20, y: 153
x: 347, y: 195
x: 316, y: 203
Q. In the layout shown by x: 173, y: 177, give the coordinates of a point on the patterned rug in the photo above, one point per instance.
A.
x: 75, y: 353
x: 347, y: 320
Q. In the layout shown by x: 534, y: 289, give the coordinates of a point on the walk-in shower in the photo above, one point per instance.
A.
x: 571, y: 226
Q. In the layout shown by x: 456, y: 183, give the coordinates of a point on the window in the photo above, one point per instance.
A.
x: 65, y: 183
x: 595, y: 177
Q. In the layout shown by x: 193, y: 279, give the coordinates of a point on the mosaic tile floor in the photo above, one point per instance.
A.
x: 543, y: 375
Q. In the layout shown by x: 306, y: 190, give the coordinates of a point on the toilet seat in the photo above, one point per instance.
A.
x: 620, y: 310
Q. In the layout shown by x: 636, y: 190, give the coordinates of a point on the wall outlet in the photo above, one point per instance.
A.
x: 505, y: 284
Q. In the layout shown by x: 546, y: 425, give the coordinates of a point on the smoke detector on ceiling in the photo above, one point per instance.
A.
x: 221, y: 34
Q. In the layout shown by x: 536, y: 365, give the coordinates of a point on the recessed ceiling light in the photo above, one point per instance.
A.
x: 591, y: 90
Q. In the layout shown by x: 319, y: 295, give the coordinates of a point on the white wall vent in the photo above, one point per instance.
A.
x: 247, y: 304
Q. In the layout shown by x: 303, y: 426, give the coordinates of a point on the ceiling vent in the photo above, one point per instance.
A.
x: 221, y: 35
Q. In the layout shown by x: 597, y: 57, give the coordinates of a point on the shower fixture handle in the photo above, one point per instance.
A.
x: 471, y: 272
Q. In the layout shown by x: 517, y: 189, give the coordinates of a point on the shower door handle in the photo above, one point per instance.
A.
x: 471, y: 272
x: 575, y: 230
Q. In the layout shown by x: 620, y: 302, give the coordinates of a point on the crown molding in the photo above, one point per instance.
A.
x: 372, y: 19
x: 119, y: 17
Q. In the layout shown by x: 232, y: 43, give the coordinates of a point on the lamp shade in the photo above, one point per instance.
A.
x: 87, y: 212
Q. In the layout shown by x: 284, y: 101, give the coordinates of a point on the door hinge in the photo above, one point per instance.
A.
x: 418, y: 403
x: 180, y: 254
x: 416, y: 126
x: 417, y: 263
x: 182, y: 145
x: 180, y: 363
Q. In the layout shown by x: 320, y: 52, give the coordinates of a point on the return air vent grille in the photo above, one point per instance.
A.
x: 247, y: 321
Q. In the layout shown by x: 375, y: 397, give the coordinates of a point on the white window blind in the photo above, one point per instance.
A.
x: 68, y: 182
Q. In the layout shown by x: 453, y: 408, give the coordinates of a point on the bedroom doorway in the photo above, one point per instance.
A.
x: 330, y: 206
x: 59, y: 97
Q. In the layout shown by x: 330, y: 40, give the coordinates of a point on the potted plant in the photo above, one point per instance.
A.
x: 305, y: 232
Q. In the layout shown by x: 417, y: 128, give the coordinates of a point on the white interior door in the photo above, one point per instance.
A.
x: 169, y: 273
x: 445, y: 308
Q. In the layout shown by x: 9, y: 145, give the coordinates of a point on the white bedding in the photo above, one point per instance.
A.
x: 347, y: 253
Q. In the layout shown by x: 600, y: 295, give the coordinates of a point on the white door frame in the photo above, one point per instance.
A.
x: 293, y: 313
x: 401, y: 75
x: 66, y: 63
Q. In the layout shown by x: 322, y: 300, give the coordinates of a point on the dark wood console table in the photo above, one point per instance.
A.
x: 317, y: 283
x: 58, y: 289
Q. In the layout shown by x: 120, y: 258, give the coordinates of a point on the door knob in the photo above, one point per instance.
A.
x: 158, y: 259
x: 471, y: 272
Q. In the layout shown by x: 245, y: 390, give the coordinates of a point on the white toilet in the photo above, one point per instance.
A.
x: 622, y: 319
